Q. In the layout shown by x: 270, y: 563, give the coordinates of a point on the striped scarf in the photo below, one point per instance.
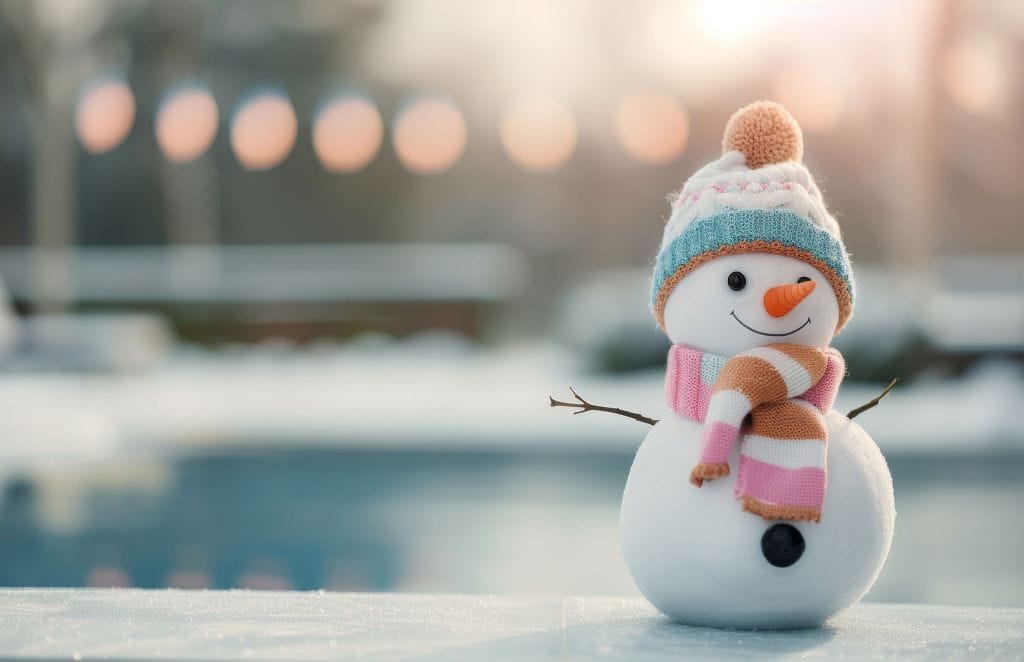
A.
x: 775, y: 397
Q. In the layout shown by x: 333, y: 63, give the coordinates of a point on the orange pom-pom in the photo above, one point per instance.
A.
x: 765, y: 132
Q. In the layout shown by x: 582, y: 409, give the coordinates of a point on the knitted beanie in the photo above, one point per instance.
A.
x: 756, y: 198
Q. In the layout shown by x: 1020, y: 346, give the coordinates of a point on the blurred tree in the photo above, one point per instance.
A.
x: 41, y: 38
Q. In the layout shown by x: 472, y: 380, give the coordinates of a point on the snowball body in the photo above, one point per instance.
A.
x: 696, y: 555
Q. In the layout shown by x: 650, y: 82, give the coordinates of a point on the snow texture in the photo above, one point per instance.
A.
x: 86, y: 624
x: 696, y: 555
x: 331, y: 395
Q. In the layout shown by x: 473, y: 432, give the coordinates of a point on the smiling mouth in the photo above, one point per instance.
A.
x: 773, y: 335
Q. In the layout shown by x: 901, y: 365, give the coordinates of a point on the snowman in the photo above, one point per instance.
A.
x: 755, y: 504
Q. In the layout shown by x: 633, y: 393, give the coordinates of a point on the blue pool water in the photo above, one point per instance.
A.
x: 456, y: 521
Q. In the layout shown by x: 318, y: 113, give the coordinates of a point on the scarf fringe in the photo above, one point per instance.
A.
x: 705, y: 471
x: 775, y: 511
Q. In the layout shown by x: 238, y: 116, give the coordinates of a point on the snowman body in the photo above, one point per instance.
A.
x: 698, y: 557
x: 694, y: 552
x: 751, y: 284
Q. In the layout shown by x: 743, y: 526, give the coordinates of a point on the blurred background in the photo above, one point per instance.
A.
x: 286, y: 285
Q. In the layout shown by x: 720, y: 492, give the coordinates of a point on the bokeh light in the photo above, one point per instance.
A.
x: 347, y: 133
x: 539, y: 134
x: 189, y: 579
x: 105, y: 114
x: 974, y: 77
x: 730, y: 21
x: 263, y: 130
x: 107, y: 576
x: 813, y: 98
x: 186, y: 123
x: 652, y: 127
x: 429, y: 135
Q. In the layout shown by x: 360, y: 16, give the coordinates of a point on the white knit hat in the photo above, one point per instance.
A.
x: 756, y: 198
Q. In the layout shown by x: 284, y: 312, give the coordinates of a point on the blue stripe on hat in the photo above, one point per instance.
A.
x: 736, y: 226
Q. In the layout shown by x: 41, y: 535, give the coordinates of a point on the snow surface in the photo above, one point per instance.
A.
x: 112, y: 623
x: 440, y: 393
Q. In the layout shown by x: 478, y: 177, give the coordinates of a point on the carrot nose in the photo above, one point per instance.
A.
x: 781, y: 299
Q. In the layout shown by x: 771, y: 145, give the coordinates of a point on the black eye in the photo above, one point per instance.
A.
x: 736, y: 281
x: 802, y: 279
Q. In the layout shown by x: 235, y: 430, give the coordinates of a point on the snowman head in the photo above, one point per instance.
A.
x: 737, y: 302
x: 751, y: 256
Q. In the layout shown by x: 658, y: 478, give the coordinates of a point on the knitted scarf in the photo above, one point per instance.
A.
x: 774, y: 397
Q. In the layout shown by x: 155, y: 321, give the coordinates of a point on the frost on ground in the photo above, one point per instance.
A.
x: 84, y: 624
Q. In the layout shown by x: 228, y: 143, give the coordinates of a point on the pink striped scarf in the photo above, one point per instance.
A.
x: 774, y: 397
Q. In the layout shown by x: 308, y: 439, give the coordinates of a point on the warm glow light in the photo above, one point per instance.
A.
x: 189, y: 579
x: 105, y: 114
x: 186, y: 123
x: 539, y: 134
x: 975, y: 78
x: 429, y: 136
x: 652, y: 127
x: 731, y: 20
x: 814, y: 99
x: 104, y: 576
x: 347, y: 133
x: 263, y: 130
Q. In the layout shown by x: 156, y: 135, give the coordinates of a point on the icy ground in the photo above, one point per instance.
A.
x: 84, y: 624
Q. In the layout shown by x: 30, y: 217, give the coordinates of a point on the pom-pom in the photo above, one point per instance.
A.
x: 765, y: 133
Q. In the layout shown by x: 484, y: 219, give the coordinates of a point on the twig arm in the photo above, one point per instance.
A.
x: 873, y: 401
x: 582, y: 406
